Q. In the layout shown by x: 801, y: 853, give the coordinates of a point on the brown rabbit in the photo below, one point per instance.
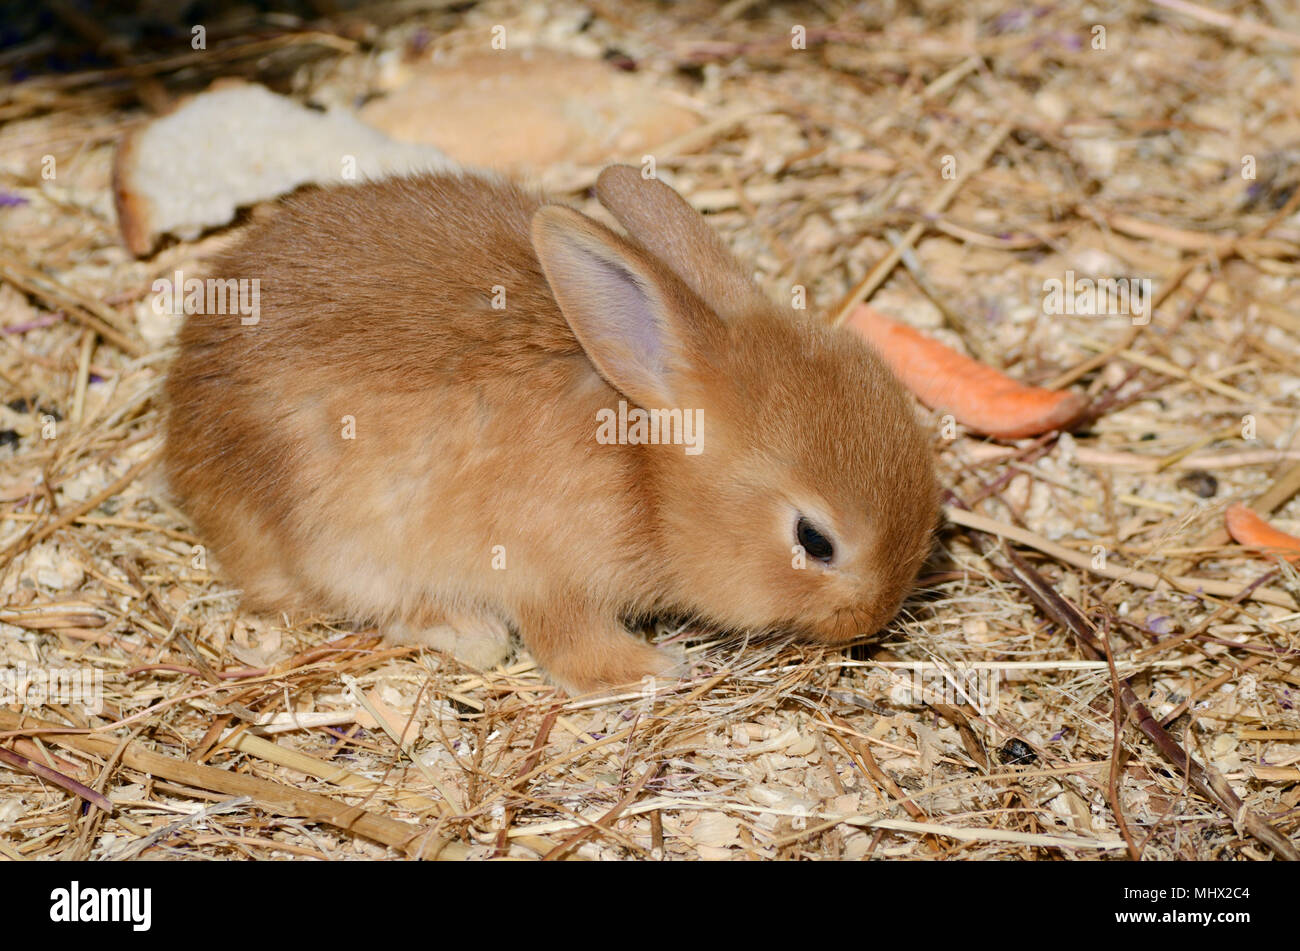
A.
x: 420, y: 430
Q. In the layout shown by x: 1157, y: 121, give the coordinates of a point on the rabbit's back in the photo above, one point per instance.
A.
x: 416, y: 276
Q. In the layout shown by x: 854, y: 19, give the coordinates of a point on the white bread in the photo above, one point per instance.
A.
x: 237, y: 144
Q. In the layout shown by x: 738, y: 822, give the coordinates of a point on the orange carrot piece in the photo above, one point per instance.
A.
x: 1247, y: 528
x: 978, y: 396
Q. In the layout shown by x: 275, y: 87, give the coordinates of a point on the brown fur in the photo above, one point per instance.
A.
x: 475, y: 428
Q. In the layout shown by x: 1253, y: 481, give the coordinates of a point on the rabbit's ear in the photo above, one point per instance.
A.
x: 639, y: 325
x: 662, y: 222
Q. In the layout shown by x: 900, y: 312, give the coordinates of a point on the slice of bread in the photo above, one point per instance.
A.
x: 522, y: 112
x: 237, y: 144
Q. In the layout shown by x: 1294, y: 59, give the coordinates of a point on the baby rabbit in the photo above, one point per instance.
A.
x: 437, y: 423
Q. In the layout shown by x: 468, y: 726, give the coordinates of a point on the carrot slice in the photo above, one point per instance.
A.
x: 1247, y: 528
x: 978, y: 396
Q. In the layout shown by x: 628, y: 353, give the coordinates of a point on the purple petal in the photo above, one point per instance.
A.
x: 1158, y: 625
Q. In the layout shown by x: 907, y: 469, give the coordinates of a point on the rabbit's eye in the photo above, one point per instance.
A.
x: 813, y: 541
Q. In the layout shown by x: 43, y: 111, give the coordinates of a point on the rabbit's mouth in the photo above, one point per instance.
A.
x: 848, y: 624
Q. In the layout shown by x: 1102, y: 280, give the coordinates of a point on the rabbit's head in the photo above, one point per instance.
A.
x: 799, y: 491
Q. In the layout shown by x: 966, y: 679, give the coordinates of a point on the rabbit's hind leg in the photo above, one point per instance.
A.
x: 477, y: 639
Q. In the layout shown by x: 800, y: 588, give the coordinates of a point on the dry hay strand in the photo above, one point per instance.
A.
x: 1088, y: 669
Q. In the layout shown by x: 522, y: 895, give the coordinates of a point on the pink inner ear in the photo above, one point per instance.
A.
x: 631, y: 317
x: 615, y: 313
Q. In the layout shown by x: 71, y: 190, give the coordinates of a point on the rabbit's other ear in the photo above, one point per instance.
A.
x: 638, y: 324
x: 665, y: 224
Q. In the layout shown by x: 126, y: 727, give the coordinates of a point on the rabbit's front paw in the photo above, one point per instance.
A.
x: 586, y: 654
